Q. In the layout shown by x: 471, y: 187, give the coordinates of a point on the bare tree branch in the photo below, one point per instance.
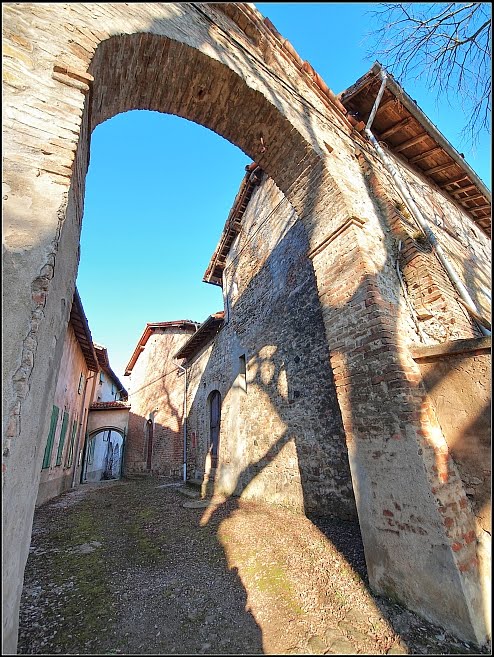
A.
x: 446, y: 44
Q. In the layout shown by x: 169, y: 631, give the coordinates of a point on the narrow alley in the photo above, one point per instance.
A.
x: 144, y: 566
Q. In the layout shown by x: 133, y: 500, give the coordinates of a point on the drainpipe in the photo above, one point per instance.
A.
x: 419, y: 218
x: 184, y: 423
x: 81, y: 429
x: 120, y: 475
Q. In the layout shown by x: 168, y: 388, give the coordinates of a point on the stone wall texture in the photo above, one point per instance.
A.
x: 281, y: 437
x: 67, y: 68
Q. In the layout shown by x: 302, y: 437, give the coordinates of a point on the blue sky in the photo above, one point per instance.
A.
x: 159, y: 188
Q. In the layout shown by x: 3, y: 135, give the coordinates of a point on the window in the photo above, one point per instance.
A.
x: 51, y: 436
x: 101, y: 378
x: 61, y: 442
x: 70, y: 452
x: 81, y: 383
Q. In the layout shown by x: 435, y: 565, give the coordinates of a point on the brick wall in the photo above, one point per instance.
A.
x: 157, y: 393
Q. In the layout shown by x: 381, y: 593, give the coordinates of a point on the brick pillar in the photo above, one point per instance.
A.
x: 417, y: 527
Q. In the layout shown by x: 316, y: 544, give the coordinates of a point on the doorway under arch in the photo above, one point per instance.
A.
x: 103, y: 455
x: 214, y: 414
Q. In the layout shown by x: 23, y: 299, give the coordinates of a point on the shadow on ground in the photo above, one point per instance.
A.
x: 124, y: 568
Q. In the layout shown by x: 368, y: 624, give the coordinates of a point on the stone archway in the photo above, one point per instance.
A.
x: 85, y: 64
x: 68, y: 68
x: 102, y: 458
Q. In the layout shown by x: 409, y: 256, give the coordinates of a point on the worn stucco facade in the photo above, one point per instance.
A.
x: 69, y: 67
x: 62, y: 461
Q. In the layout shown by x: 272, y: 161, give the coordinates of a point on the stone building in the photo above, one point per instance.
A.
x: 263, y: 418
x: 397, y: 240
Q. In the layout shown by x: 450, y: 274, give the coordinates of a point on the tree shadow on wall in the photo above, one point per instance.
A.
x: 375, y: 414
x: 387, y: 378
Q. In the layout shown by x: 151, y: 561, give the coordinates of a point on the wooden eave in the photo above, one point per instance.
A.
x: 79, y: 323
x: 186, y: 324
x: 204, y: 334
x: 214, y: 272
x: 408, y: 133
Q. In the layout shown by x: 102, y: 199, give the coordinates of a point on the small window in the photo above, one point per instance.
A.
x: 242, y: 370
x: 101, y: 378
x: 81, y: 384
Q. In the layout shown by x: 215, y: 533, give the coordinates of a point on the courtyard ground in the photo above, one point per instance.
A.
x: 145, y: 567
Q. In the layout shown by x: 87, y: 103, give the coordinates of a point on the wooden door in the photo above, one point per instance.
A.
x: 214, y: 425
x: 149, y: 431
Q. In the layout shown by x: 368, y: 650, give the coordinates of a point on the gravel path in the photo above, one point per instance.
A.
x: 145, y: 567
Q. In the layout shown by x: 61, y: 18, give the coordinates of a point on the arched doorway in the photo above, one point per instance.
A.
x: 149, y: 444
x: 102, y: 458
x: 214, y: 426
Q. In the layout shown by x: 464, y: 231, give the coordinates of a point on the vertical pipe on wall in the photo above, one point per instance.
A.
x: 417, y: 215
x: 81, y: 428
x: 184, y: 422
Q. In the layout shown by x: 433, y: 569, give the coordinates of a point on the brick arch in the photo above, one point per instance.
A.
x: 105, y: 427
x: 69, y: 68
x: 201, y: 89
x: 61, y: 63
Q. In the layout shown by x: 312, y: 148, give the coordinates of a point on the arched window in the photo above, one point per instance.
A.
x: 149, y: 437
x: 214, y: 425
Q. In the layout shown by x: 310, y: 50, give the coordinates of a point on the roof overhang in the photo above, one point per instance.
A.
x: 214, y: 272
x: 79, y: 323
x: 109, y: 406
x: 184, y: 324
x: 104, y: 362
x: 408, y: 133
x: 204, y: 334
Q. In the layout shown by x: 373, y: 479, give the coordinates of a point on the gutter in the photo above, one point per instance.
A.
x: 419, y: 218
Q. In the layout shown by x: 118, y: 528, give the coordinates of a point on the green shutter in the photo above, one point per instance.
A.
x: 70, y: 453
x: 51, y: 436
x: 62, y: 437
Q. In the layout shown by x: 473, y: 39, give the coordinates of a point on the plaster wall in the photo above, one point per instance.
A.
x: 69, y: 398
x: 459, y: 387
x: 106, y: 389
x: 108, y: 417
